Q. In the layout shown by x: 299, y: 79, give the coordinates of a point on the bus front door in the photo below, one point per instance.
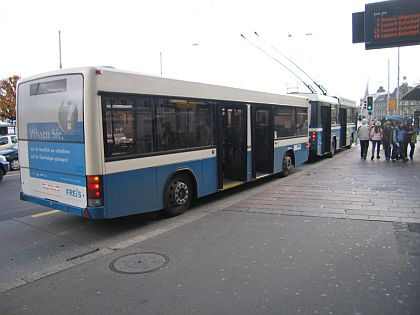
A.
x: 262, y: 137
x: 342, y: 116
x: 232, y: 145
x: 326, y: 129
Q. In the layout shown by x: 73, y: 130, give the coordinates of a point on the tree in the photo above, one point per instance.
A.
x: 8, y: 98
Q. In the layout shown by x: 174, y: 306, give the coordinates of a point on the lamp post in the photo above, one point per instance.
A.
x: 398, y: 83
x: 59, y: 48
x: 160, y: 56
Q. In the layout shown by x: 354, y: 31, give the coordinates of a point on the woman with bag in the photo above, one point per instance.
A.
x: 376, y: 137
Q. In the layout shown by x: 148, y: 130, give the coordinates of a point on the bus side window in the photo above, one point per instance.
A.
x: 168, y: 137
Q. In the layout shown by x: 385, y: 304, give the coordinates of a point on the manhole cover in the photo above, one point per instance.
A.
x: 138, y: 263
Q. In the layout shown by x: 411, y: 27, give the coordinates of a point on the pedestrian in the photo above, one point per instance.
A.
x: 412, y: 134
x: 363, y: 133
x: 376, y: 138
x: 398, y: 138
x: 387, y: 140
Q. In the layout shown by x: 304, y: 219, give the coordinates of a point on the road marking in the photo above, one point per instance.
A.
x: 41, y: 214
x: 11, y: 175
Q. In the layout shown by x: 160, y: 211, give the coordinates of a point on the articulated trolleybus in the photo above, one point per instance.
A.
x: 103, y: 143
x: 332, y: 124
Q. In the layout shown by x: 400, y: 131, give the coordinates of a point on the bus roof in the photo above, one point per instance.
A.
x: 121, y: 81
x: 319, y: 98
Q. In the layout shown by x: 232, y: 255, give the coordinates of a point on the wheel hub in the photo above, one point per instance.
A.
x: 181, y: 193
x: 288, y: 162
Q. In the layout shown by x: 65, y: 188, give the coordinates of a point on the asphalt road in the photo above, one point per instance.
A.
x: 11, y: 206
x: 242, y: 263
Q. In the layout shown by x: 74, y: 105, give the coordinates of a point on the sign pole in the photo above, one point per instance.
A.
x: 398, y: 83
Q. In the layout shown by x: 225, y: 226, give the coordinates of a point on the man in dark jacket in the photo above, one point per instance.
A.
x: 399, y: 139
x: 387, y: 140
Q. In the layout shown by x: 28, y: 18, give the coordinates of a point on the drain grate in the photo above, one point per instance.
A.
x: 139, y: 263
x: 407, y: 236
x: 414, y: 227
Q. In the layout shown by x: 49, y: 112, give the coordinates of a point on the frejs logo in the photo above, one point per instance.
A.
x: 74, y: 193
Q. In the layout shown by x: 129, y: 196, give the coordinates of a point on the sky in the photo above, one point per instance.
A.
x: 200, y: 40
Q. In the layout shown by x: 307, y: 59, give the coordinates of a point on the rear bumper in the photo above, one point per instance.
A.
x: 93, y: 213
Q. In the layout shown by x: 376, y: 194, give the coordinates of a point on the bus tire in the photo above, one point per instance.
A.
x: 351, y: 142
x: 287, y: 165
x: 178, y: 195
x: 333, y: 148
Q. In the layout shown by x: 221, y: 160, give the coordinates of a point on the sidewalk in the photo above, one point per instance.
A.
x: 347, y: 187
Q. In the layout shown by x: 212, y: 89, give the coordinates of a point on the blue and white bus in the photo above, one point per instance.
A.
x: 332, y: 124
x: 104, y: 143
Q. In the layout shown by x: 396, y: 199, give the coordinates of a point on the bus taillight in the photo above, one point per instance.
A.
x: 313, y: 138
x: 94, y: 191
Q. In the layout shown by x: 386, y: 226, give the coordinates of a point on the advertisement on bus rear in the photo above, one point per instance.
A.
x: 51, y: 134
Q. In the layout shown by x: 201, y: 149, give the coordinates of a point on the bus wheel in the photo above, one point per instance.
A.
x: 178, y: 195
x: 333, y: 148
x: 287, y: 165
x: 351, y: 142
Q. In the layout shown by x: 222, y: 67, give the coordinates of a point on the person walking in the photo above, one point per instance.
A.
x: 398, y: 138
x: 387, y: 140
x: 413, y: 140
x: 376, y: 138
x: 395, y: 151
x: 363, y: 133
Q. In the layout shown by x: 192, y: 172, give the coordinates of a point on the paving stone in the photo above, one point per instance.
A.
x: 344, y: 187
x: 362, y: 212
x: 384, y: 218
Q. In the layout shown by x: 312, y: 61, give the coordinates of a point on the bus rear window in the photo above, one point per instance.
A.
x: 48, y: 87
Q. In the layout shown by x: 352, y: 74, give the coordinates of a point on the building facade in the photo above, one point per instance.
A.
x: 385, y: 104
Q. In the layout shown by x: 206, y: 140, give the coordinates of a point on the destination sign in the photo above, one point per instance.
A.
x: 392, y: 23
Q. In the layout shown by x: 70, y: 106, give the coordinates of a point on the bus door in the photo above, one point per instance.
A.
x: 232, y: 145
x: 262, y: 139
x: 342, y: 118
x: 326, y: 128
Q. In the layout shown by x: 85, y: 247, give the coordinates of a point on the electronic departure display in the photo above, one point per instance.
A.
x: 392, y: 23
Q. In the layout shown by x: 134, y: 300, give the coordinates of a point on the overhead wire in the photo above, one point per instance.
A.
x: 323, y: 90
x: 279, y: 62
